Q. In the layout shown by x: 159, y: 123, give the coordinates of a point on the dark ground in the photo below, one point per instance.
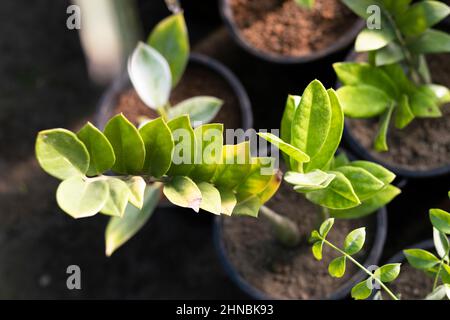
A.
x: 44, y: 84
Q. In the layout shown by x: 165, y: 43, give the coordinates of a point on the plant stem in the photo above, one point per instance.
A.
x: 436, y: 278
x: 349, y: 257
x: 286, y: 231
x: 163, y: 112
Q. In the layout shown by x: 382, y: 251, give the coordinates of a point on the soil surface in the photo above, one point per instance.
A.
x: 425, y: 143
x: 196, y: 81
x: 289, y: 273
x: 283, y: 28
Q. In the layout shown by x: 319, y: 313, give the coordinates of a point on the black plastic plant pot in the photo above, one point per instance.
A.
x: 340, y: 44
x: 105, y: 109
x: 373, y: 256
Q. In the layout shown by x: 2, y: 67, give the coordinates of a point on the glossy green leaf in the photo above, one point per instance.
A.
x: 380, y: 172
x: 271, y: 187
x: 286, y: 121
x: 201, y: 109
x: 127, y: 145
x: 338, y: 195
x: 363, y: 101
x: 354, y: 241
x: 440, y: 220
x: 420, y: 259
x: 388, y: 272
x: 397, y: 74
x: 441, y: 243
x: 396, y: 7
x: 313, y: 180
x: 150, y: 75
x: 248, y: 207
x: 431, y: 41
x: 228, y: 201
x: 183, y: 157
x: 423, y: 103
x: 82, y: 198
x: 325, y: 227
x: 363, y: 182
x: 136, y: 185
x: 183, y: 192
x: 403, y: 114
x: 170, y: 38
x: 118, y: 195
x: 293, y: 152
x: 337, y: 267
x: 381, y: 138
x: 340, y: 160
x: 421, y: 16
x: 120, y: 230
x: 326, y: 153
x: 211, y: 201
x: 61, y: 154
x: 361, y: 291
x: 312, y: 119
x: 235, y: 165
x: 258, y: 178
x: 317, y: 250
x: 373, y: 39
x: 391, y: 53
x: 159, y: 146
x: 360, y: 6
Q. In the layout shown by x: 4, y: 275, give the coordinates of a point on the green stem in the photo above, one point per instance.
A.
x: 436, y: 278
x: 370, y: 274
x: 286, y: 230
x: 163, y: 112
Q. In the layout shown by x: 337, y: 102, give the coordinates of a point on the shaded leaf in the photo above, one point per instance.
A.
x: 440, y: 220
x: 404, y: 114
x: 441, y: 243
x: 431, y: 41
x: 420, y: 259
x: 137, y: 186
x: 361, y: 291
x: 248, y: 207
x: 118, y: 195
x: 381, y: 138
x: 183, y: 157
x: 183, y: 192
x: 211, y: 201
x: 228, y: 201
x: 201, y: 109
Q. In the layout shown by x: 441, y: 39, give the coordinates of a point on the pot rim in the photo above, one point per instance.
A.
x: 343, y: 41
x: 339, y: 294
x: 109, y: 97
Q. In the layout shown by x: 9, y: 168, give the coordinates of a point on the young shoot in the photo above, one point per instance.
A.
x: 157, y: 66
x: 395, y: 84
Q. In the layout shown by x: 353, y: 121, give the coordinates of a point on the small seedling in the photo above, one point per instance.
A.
x: 120, y: 172
x: 157, y: 66
x: 396, y: 82
x: 353, y: 243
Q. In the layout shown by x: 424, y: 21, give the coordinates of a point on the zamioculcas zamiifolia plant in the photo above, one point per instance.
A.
x: 120, y: 172
x: 156, y: 67
x: 395, y: 83
x: 311, y: 130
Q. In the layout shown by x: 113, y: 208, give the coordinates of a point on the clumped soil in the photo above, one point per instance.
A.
x: 283, y: 28
x: 425, y: 143
x: 288, y: 273
x: 196, y: 81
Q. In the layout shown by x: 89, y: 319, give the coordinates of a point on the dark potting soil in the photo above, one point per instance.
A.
x: 283, y: 28
x: 196, y: 81
x: 288, y: 273
x: 425, y: 143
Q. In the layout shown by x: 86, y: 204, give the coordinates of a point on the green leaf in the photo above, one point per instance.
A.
x: 340, y: 160
x: 150, y: 75
x: 170, y: 38
x: 127, y: 145
x: 363, y: 101
x: 271, y: 187
x: 310, y: 181
x: 441, y: 243
x: 61, y: 154
x: 325, y: 227
x: 309, y: 4
x: 183, y: 192
x: 101, y: 153
x: 317, y: 250
x: 201, y: 109
x: 248, y: 207
x: 440, y: 220
x: 80, y: 197
x: 120, y: 230
x: 442, y: 93
x: 421, y: 259
x: 159, y: 146
x: 360, y: 6
x: 391, y: 53
x: 326, y: 153
x: 183, y: 157
x: 379, y: 200
x: 117, y: 199
x: 423, y: 103
x: 361, y: 291
x: 209, y: 144
x: 228, y: 201
x: 431, y: 41
x: 293, y: 152
x: 381, y: 138
x: 137, y: 186
x: 404, y: 114
x: 363, y: 182
x: 338, y: 195
x: 439, y: 293
x: 388, y: 272
x: 380, y: 172
x: 314, y: 237
x: 258, y: 178
x: 373, y: 39
x: 356, y: 74
x: 421, y: 16
x: 396, y: 7
x: 286, y: 122
x: 397, y: 74
x: 337, y: 267
x: 211, y: 201
x: 354, y: 241
x: 312, y: 119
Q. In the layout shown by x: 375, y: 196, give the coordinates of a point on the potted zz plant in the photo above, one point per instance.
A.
x: 270, y: 258
x: 121, y: 171
x: 426, y: 275
x: 163, y: 79
x: 291, y: 31
x: 394, y: 95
